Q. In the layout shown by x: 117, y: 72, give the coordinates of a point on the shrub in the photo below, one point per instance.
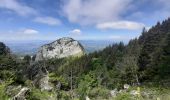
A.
x: 3, y: 96
x: 99, y: 92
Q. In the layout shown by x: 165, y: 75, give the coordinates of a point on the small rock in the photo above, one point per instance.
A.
x: 122, y: 91
x: 134, y: 92
x: 126, y: 86
x: 87, y: 98
x: 113, y: 92
x: 44, y: 84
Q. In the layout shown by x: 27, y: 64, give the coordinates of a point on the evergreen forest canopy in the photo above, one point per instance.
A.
x: 144, y: 62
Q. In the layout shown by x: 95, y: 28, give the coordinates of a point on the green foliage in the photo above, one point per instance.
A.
x: 27, y: 59
x: 36, y: 94
x: 6, y: 75
x: 63, y: 95
x: 54, y: 78
x: 99, y: 93
x: 3, y: 96
x: 4, y: 50
x: 86, y: 84
x: 124, y: 96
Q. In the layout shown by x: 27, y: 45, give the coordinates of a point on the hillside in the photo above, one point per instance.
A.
x: 139, y: 70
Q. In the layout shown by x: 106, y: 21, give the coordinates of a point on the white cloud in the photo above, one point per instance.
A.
x: 26, y: 34
x: 75, y: 32
x: 129, y: 25
x: 94, y: 11
x: 17, y: 7
x: 29, y: 32
x: 47, y: 20
x: 24, y: 10
x: 23, y: 32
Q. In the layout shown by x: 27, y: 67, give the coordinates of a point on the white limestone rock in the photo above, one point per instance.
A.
x: 22, y: 94
x: 126, y: 86
x: 63, y: 47
x: 114, y: 92
x: 42, y: 80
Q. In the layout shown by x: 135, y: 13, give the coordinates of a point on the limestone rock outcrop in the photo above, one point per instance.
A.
x: 63, y: 47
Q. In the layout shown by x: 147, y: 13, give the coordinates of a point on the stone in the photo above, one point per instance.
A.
x: 41, y: 80
x: 113, y: 92
x: 126, y: 86
x: 12, y: 90
x: 134, y: 92
x: 44, y: 84
x: 22, y: 94
x: 87, y: 98
x: 63, y: 47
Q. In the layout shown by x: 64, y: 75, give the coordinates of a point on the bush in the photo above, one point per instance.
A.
x: 3, y: 96
x: 36, y: 94
x: 124, y: 96
x: 99, y: 92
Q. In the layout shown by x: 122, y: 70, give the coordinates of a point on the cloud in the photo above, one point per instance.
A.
x: 129, y: 25
x: 87, y: 12
x: 26, y: 34
x: 24, y: 10
x: 23, y: 32
x: 17, y: 7
x: 29, y: 32
x: 75, y: 32
x: 47, y: 20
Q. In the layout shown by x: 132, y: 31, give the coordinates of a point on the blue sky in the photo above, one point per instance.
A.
x: 117, y: 20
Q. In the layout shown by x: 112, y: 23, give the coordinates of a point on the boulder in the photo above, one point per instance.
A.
x: 22, y: 94
x: 126, y: 86
x: 41, y: 80
x: 114, y: 92
x: 87, y: 98
x: 63, y: 47
x: 12, y: 90
x: 44, y: 83
x: 134, y: 92
x: 17, y: 92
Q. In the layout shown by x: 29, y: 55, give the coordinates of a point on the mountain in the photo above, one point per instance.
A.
x: 31, y: 47
x: 63, y: 47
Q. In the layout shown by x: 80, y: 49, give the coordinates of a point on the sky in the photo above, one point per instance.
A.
x: 117, y: 20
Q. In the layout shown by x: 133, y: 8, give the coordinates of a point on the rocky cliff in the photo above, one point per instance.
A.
x: 63, y: 47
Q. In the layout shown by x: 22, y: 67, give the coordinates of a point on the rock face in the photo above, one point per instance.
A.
x: 42, y: 80
x: 63, y: 47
